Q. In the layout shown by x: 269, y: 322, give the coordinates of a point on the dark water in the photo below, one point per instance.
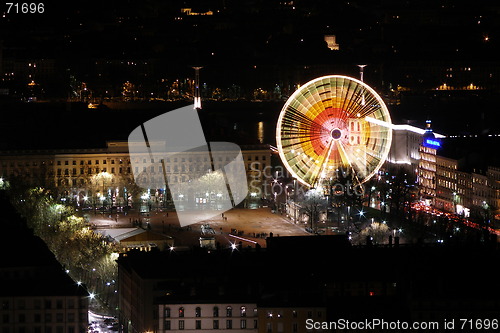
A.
x: 73, y: 125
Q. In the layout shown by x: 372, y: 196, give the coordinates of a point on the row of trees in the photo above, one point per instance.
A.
x: 88, y: 256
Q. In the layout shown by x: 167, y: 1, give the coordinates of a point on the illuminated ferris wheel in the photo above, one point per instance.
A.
x: 331, y: 124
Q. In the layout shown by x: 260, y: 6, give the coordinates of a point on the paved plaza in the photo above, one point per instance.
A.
x: 249, y: 225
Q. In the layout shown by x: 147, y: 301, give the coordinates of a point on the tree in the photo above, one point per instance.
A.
x: 346, y: 193
x: 313, y: 204
x: 379, y: 233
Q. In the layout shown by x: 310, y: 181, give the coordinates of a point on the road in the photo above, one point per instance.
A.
x: 97, y: 323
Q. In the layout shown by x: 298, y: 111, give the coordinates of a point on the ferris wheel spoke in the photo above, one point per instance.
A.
x: 293, y: 115
x: 324, y: 159
x: 349, y: 161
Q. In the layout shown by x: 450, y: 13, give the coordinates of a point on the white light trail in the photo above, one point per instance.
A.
x: 403, y: 127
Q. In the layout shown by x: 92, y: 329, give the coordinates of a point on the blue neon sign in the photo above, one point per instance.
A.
x: 432, y: 143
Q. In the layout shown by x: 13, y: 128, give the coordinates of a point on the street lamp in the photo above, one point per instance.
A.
x: 104, y: 176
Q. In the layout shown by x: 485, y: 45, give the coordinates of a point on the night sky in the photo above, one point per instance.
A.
x: 411, y: 48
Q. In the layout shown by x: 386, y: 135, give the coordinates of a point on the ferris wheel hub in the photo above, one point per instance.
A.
x: 336, y: 133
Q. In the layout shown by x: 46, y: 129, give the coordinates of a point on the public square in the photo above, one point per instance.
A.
x: 247, y: 224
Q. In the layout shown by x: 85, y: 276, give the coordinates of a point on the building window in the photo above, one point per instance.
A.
x: 216, y: 325
x: 294, y: 313
x: 269, y: 327
x: 181, y: 324
x: 181, y: 312
x: 295, y: 327
x: 167, y: 312
x: 229, y: 324
x: 197, y: 312
x: 243, y: 323
x: 229, y: 311
x: 255, y: 324
x: 197, y: 324
x: 166, y: 325
x: 216, y: 311
x: 243, y: 311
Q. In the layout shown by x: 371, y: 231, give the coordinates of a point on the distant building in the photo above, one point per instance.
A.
x: 137, y: 239
x: 406, y: 145
x: 288, y: 318
x: 461, y: 192
x: 278, y: 288
x: 426, y: 176
x: 218, y: 290
x: 104, y: 176
x: 332, y: 43
x: 213, y: 317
